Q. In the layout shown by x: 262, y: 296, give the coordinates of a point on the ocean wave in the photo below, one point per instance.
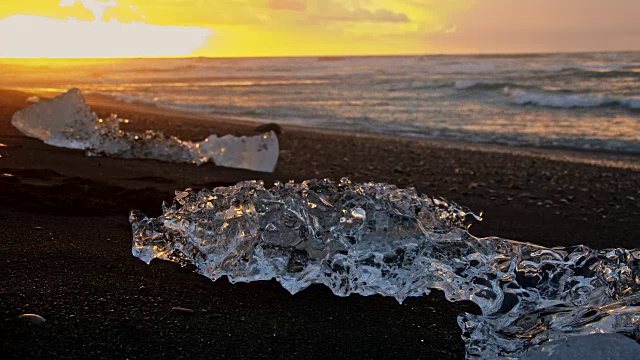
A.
x: 483, y: 85
x: 376, y: 124
x: 167, y: 69
x: 431, y: 85
x: 132, y: 99
x: 332, y: 58
x: 464, y: 68
x: 564, y: 101
x: 586, y: 68
x: 496, y: 68
x: 599, y: 74
x: 207, y: 109
x: 465, y: 84
x: 184, y: 107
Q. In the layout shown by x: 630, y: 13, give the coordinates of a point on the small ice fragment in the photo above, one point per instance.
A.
x: 377, y: 239
x: 33, y: 99
x: 255, y: 153
x: 67, y: 121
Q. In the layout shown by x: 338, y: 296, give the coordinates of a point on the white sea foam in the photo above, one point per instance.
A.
x: 564, y: 101
x: 444, y: 97
x: 585, y: 68
x: 491, y: 68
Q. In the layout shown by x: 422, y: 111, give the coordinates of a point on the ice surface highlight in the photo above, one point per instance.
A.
x: 377, y: 239
x: 67, y: 121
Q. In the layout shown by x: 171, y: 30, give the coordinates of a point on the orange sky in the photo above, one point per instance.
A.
x: 130, y: 28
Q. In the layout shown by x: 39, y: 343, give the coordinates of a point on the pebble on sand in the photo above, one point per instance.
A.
x: 270, y: 127
x: 33, y: 319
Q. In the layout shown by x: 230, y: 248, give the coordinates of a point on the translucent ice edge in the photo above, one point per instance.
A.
x: 67, y: 121
x: 377, y: 239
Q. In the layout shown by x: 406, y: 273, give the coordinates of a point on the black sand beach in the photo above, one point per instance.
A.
x: 65, y: 242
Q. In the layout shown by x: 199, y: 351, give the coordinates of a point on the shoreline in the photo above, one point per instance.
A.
x: 604, y: 158
x: 66, y: 243
x: 307, y: 154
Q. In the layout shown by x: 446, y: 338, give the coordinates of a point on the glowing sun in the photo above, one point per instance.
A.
x: 30, y: 36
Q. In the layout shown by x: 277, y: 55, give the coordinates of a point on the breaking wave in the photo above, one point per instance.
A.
x: 597, y: 74
x: 441, y: 97
x: 576, y: 70
x: 566, y: 101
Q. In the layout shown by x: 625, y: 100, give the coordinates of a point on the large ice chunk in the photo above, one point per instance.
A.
x: 56, y: 118
x: 67, y: 121
x: 377, y: 239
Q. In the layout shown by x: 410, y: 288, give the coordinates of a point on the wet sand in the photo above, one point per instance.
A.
x: 65, y: 242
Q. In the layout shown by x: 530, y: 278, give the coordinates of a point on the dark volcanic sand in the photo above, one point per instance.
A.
x: 65, y: 244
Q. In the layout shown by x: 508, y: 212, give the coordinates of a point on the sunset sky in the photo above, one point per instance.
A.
x: 125, y: 28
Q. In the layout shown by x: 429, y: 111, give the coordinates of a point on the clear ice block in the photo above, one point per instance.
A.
x: 377, y: 239
x: 68, y: 121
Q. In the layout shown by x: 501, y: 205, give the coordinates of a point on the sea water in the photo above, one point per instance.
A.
x: 577, y: 101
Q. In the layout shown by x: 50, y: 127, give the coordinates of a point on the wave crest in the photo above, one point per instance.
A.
x: 565, y: 101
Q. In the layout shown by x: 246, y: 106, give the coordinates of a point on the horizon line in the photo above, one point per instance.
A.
x: 517, y: 53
